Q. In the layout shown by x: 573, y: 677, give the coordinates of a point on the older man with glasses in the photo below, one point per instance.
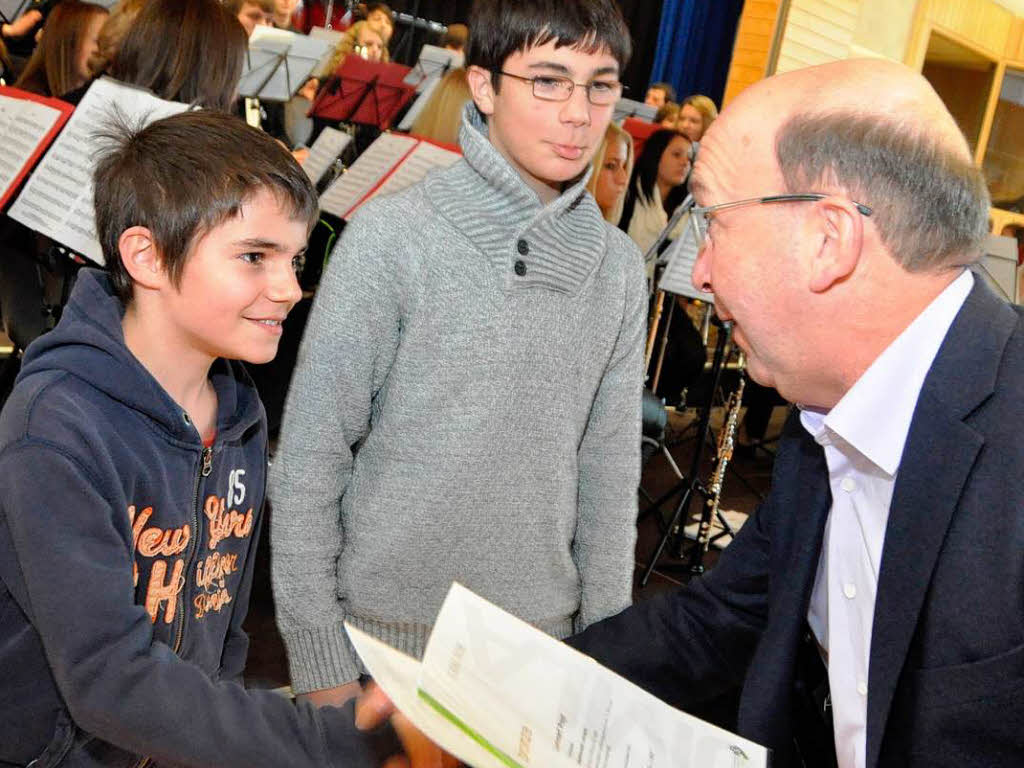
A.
x: 870, y: 611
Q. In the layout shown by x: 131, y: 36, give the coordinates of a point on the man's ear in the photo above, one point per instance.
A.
x: 140, y: 257
x: 841, y: 228
x: 481, y: 87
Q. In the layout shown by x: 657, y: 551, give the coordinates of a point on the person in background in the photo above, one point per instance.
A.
x: 455, y: 38
x: 60, y: 63
x: 252, y: 13
x: 656, y: 188
x: 112, y: 34
x: 610, y: 172
x: 441, y: 118
x: 696, y: 114
x: 666, y: 115
x: 283, y: 10
x: 382, y: 18
x: 658, y: 94
x: 20, y: 34
x: 6, y: 65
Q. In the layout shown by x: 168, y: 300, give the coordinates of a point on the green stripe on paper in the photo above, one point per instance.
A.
x: 454, y: 720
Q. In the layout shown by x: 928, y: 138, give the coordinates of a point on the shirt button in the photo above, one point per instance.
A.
x: 520, y: 267
x: 848, y: 485
x: 523, y: 247
x: 862, y: 688
x: 850, y: 590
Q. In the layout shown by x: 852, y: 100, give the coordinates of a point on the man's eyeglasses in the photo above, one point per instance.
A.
x: 600, y: 93
x: 701, y: 217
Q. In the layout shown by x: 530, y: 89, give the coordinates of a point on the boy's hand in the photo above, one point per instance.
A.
x: 332, y: 697
x: 373, y: 707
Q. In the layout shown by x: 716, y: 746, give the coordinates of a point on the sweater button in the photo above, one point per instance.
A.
x: 520, y: 267
x: 523, y: 247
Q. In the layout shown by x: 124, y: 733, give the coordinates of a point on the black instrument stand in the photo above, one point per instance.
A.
x: 690, y: 484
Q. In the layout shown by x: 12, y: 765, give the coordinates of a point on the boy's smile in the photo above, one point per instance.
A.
x: 239, y: 284
x: 547, y: 142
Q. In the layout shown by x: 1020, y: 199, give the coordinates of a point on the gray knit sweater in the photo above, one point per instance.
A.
x: 453, y: 419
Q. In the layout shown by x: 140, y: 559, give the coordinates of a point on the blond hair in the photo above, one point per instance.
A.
x: 704, y: 105
x: 347, y: 44
x: 611, y: 134
x: 442, y: 115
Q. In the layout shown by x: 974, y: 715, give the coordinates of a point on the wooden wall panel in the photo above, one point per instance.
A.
x: 817, y: 31
x: 752, y: 49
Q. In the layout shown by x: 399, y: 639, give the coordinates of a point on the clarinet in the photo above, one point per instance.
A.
x: 723, y: 455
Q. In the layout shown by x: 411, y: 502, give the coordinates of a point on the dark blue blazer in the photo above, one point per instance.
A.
x: 946, y: 673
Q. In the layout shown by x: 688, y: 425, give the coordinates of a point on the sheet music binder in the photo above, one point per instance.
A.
x: 390, y: 164
x: 629, y: 108
x: 278, y: 62
x: 366, y: 92
x: 29, y: 122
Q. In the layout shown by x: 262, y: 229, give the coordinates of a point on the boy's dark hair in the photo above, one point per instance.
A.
x: 184, y: 175
x: 666, y: 88
x: 499, y: 28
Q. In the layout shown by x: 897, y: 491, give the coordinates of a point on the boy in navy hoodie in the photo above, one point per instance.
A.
x: 132, y: 473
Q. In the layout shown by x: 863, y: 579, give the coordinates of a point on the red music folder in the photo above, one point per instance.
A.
x: 360, y: 91
x: 28, y: 123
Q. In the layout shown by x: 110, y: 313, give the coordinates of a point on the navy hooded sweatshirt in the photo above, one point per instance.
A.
x: 126, y: 559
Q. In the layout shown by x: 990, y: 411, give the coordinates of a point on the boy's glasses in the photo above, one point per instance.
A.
x: 600, y: 93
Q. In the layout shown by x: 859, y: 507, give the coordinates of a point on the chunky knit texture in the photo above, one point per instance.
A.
x: 453, y: 419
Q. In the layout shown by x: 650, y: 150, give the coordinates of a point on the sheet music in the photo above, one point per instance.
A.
x: 680, y: 257
x: 278, y: 62
x: 57, y: 198
x: 424, y: 158
x: 629, y: 108
x: 333, y: 38
x: 433, y: 62
x: 23, y: 124
x: 365, y: 173
x: 325, y: 150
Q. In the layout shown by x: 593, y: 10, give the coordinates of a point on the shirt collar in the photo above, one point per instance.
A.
x: 874, y: 415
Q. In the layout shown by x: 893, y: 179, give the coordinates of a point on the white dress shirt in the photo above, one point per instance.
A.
x: 863, y: 438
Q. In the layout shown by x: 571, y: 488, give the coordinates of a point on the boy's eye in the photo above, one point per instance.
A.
x: 252, y: 257
x: 549, y: 83
x: 299, y: 262
x: 602, y: 86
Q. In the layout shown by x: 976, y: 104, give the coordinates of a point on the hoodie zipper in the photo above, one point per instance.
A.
x: 204, y: 471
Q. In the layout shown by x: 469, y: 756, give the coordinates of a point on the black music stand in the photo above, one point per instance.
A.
x: 364, y: 92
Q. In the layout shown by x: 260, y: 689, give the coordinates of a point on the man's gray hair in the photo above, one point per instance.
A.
x: 930, y: 205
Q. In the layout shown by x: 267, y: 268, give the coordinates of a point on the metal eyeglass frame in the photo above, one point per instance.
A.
x: 572, y: 87
x: 700, y: 216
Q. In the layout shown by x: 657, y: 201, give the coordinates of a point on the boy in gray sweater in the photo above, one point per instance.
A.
x: 466, y: 404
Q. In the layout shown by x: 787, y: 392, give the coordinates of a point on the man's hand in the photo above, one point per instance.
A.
x: 373, y: 707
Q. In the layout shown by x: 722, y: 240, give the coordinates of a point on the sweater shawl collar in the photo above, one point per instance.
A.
x: 559, y: 244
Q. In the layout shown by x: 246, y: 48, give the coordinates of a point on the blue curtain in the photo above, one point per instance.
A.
x: 695, y: 41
